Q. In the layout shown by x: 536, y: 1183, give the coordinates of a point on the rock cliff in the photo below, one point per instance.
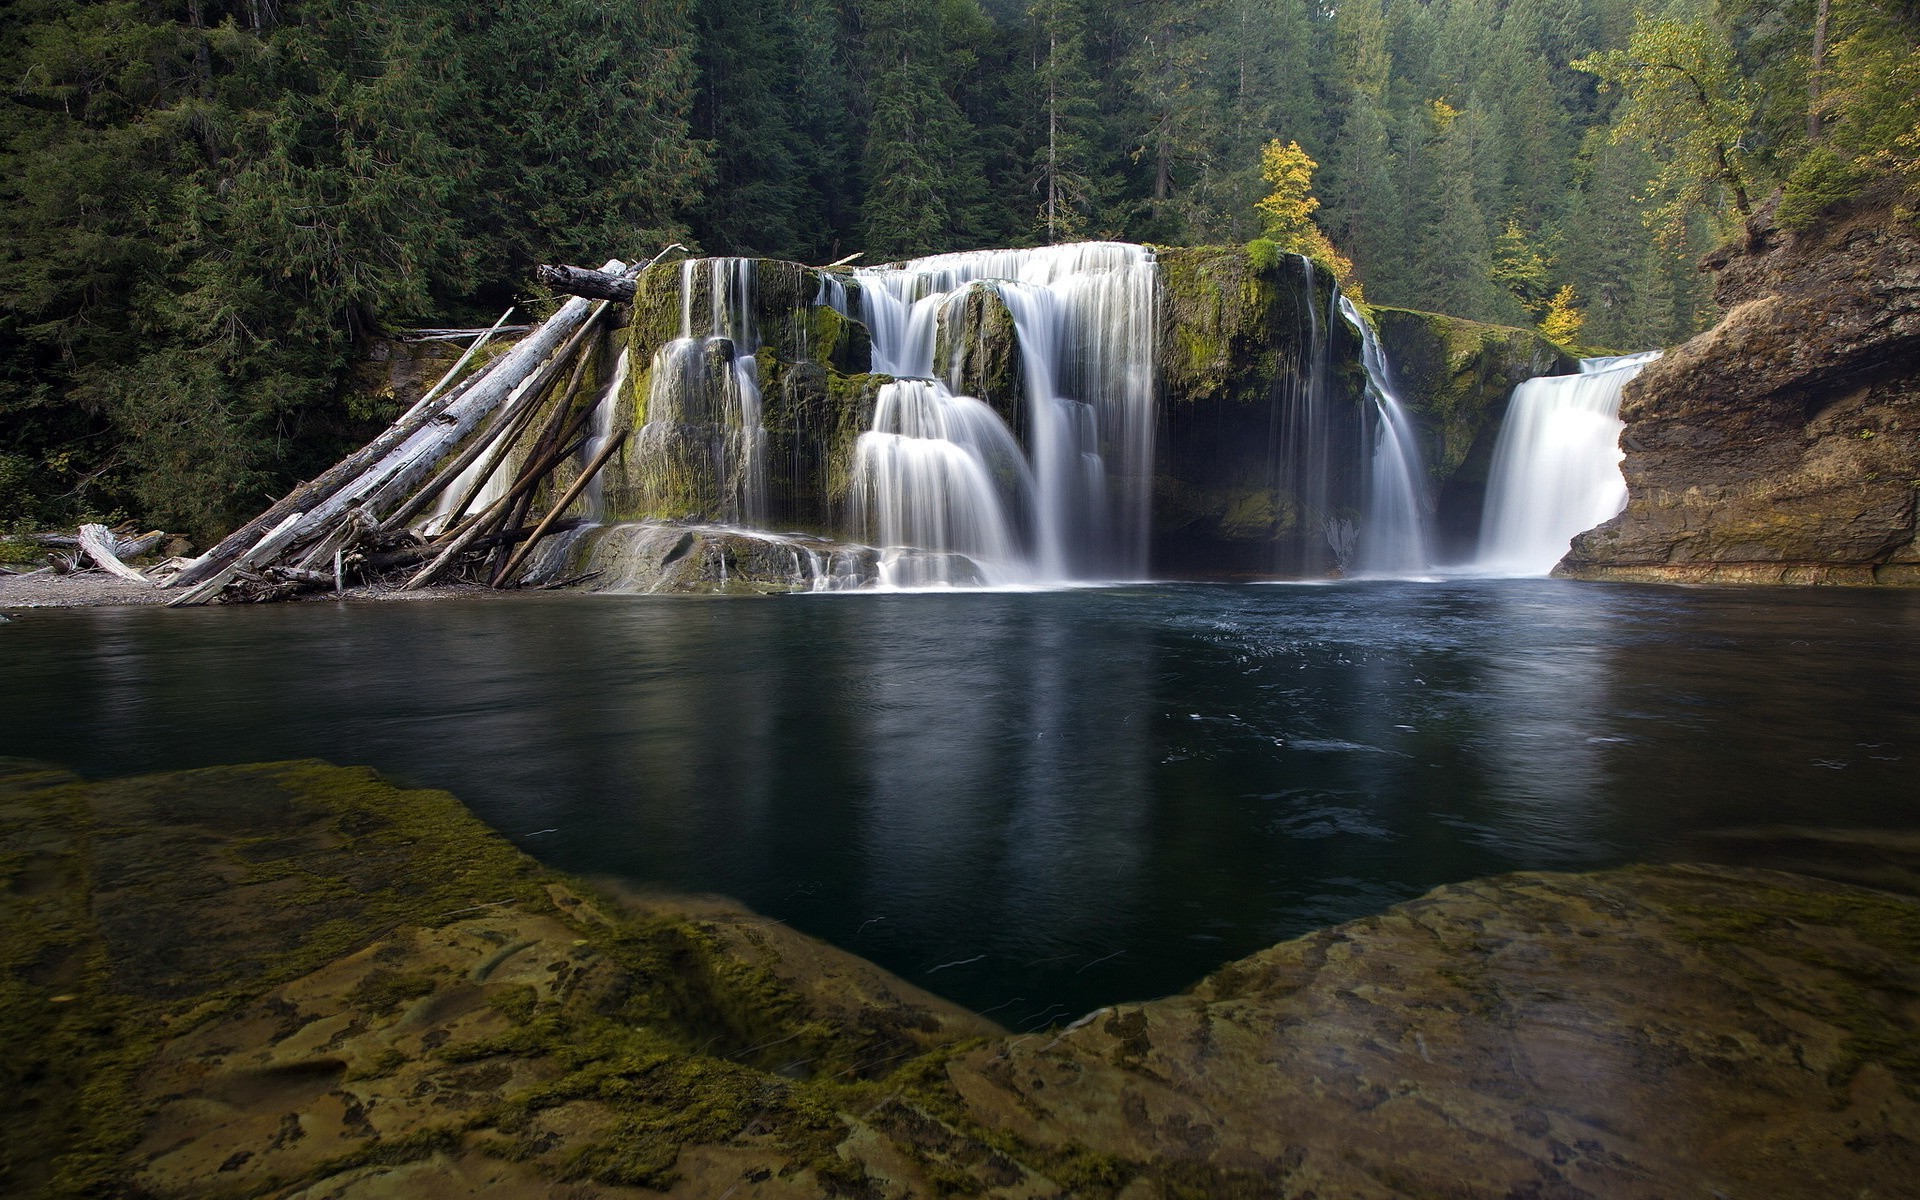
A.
x: 1782, y: 445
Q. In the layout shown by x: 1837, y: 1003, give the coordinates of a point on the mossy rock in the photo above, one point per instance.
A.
x: 1456, y: 378
x: 977, y: 348
x: 238, y: 980
x: 1241, y: 326
x: 294, y: 978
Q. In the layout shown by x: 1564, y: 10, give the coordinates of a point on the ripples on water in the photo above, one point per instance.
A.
x: 1039, y: 802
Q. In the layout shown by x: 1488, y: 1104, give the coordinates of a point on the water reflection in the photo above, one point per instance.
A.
x: 1039, y: 803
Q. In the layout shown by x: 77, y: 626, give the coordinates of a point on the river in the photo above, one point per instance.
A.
x: 1038, y: 802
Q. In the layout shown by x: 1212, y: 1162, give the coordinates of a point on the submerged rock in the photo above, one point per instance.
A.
x: 1782, y: 445
x: 295, y: 979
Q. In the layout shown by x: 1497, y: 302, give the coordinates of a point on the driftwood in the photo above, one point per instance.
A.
x: 352, y: 523
x: 257, y: 555
x: 325, y: 485
x: 572, y: 493
x: 100, y: 545
x: 579, y: 281
x: 342, y: 506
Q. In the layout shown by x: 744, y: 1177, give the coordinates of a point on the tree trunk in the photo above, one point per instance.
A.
x: 99, y: 545
x: 580, y: 281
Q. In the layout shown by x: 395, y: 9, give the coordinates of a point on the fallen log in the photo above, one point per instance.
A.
x: 262, y: 551
x: 395, y: 462
x: 581, y: 281
x: 99, y: 544
x: 394, y: 560
x: 328, y: 482
x: 572, y: 493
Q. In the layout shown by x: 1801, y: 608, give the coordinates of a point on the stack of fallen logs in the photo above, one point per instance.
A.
x: 352, y: 524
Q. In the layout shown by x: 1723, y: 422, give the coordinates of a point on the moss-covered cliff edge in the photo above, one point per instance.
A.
x: 298, y: 980
x: 1456, y: 378
x: 1782, y: 445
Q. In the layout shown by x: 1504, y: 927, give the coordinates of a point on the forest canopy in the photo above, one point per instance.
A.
x: 210, y: 205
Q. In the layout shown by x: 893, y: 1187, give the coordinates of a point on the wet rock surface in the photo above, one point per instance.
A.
x: 1783, y: 445
x: 1456, y: 378
x: 298, y: 980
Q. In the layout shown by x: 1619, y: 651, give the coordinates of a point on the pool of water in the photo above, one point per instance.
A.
x: 1036, y: 803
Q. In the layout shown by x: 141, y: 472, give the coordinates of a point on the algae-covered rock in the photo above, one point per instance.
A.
x: 977, y: 349
x: 1649, y: 1032
x: 295, y: 979
x: 1782, y: 445
x: 1242, y: 328
x: 814, y: 415
x: 1456, y: 378
x: 245, y: 980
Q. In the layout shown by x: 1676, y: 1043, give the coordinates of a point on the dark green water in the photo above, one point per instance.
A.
x: 1037, y: 803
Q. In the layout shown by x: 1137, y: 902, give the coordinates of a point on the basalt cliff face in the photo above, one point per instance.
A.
x: 1782, y: 445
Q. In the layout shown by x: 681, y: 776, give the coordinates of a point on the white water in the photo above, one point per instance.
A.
x: 937, y: 471
x: 1393, y: 533
x: 1556, y: 469
x: 935, y: 465
x: 703, y: 399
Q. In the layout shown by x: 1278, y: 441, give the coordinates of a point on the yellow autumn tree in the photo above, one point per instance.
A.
x: 1286, y: 213
x: 1563, y: 318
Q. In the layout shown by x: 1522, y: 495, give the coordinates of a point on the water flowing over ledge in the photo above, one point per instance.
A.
x: 1556, y: 472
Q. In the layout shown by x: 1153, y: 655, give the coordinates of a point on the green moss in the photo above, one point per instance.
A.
x: 383, y: 992
x: 516, y: 1003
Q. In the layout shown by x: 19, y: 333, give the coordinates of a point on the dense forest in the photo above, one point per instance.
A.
x: 207, y: 206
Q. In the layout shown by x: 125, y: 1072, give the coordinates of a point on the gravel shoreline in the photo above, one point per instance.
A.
x: 98, y: 590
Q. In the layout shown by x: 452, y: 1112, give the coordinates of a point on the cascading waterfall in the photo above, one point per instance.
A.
x: 1556, y: 468
x: 933, y: 474
x: 1393, y: 534
x: 703, y: 397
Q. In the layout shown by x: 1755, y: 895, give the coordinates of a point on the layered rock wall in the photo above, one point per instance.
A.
x: 1783, y: 445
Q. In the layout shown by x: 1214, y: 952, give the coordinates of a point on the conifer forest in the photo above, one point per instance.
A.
x: 209, y: 205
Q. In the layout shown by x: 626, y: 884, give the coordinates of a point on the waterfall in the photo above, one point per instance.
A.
x: 1393, y: 533
x: 935, y: 473
x: 703, y: 398
x: 1300, y: 447
x: 1556, y: 468
x: 603, y: 417
x: 1085, y: 317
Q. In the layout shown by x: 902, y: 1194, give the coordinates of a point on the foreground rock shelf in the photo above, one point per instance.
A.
x: 298, y: 980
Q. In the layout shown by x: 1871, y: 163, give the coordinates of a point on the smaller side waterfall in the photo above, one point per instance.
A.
x: 1556, y: 469
x: 703, y: 400
x: 1393, y: 533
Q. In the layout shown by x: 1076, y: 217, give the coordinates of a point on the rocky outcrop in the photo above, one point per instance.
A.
x: 1240, y: 329
x: 666, y: 557
x: 298, y: 980
x: 1456, y: 378
x: 1783, y: 445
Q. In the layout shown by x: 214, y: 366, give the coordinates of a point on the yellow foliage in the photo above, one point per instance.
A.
x: 1563, y: 320
x: 1442, y: 115
x: 1288, y: 209
x: 1287, y: 212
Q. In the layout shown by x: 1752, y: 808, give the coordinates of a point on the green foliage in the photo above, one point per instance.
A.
x: 1688, y: 103
x: 207, y: 211
x: 1820, y: 179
